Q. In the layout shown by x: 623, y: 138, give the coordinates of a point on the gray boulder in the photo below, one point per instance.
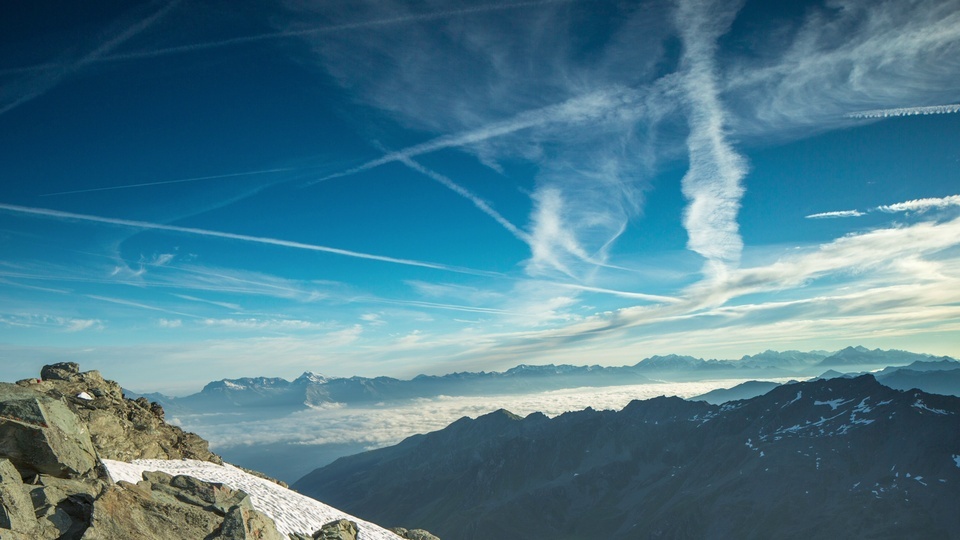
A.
x: 39, y: 434
x: 245, y: 523
x: 129, y: 511
x: 16, y: 508
x: 341, y: 529
x: 64, y: 371
x: 414, y: 534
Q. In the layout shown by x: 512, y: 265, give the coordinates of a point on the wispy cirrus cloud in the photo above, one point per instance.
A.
x: 327, y: 29
x: 65, y: 324
x: 502, y: 95
x: 287, y: 325
x: 885, y: 58
x: 571, y: 112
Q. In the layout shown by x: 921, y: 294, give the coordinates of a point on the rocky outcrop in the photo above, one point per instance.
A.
x: 16, y: 508
x: 414, y: 534
x: 120, y: 429
x: 163, y: 506
x: 53, y: 433
x: 40, y: 434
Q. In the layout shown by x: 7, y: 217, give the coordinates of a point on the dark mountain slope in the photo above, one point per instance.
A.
x: 745, y: 390
x: 824, y: 459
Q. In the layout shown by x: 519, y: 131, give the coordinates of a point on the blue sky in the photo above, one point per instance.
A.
x: 191, y: 192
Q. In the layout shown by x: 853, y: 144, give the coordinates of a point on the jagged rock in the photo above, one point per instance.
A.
x: 130, y: 511
x: 39, y: 434
x: 243, y: 523
x: 214, y: 497
x: 414, y: 534
x: 64, y: 371
x: 16, y: 508
x: 342, y: 529
x: 120, y: 429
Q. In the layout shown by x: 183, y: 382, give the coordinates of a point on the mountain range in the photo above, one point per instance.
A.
x: 828, y: 458
x: 311, y: 389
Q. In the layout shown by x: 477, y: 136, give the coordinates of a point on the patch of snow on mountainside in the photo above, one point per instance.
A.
x: 923, y: 406
x: 834, y: 403
x: 292, y: 512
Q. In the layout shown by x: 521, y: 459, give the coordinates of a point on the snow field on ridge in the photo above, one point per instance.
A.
x: 292, y: 512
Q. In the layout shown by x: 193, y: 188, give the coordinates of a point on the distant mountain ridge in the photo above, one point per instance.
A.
x: 312, y: 389
x: 820, y: 459
x: 941, y: 376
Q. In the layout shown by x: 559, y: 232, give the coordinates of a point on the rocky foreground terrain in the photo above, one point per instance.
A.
x: 59, y: 432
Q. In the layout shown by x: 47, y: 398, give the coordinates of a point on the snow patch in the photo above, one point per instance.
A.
x: 292, y: 512
x: 85, y: 396
x: 794, y: 400
x: 833, y: 403
x: 923, y: 406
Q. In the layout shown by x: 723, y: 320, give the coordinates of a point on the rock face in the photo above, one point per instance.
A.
x: 161, y: 507
x: 41, y: 435
x: 16, y: 508
x: 53, y: 433
x: 119, y: 428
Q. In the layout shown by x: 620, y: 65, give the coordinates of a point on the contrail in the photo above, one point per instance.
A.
x: 906, y: 111
x: 178, y: 181
x: 836, y: 214
x: 467, y: 194
x: 57, y: 214
x: 712, y: 184
x: 327, y: 29
x: 915, y: 205
x: 575, y: 110
x: 65, y: 70
x: 921, y: 205
x: 622, y: 294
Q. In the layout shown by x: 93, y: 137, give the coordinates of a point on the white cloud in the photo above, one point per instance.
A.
x: 66, y: 324
x: 372, y: 318
x: 379, y: 426
x: 846, y: 56
x: 552, y: 241
x: 265, y: 324
x: 78, y: 325
x: 170, y: 323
